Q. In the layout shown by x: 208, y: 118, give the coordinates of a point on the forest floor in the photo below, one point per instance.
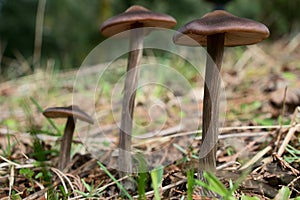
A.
x: 259, y: 143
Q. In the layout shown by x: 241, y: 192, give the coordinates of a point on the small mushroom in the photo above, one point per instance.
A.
x: 134, y: 18
x: 216, y: 30
x: 72, y: 113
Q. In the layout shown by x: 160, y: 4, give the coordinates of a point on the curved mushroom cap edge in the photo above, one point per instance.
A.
x: 65, y: 112
x: 136, y: 17
x: 238, y: 31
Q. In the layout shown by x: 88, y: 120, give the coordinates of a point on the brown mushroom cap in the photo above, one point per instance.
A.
x: 238, y: 31
x: 65, y: 112
x: 137, y: 16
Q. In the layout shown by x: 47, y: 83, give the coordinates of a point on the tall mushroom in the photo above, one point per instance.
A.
x: 72, y: 113
x: 216, y: 30
x: 133, y: 19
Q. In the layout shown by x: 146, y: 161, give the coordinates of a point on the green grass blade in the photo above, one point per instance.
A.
x: 156, y: 176
x: 215, y: 184
x: 244, y: 197
x: 142, y: 177
x: 190, y: 184
x: 283, y: 194
x: 115, y: 181
x: 8, y: 150
x: 182, y: 150
x: 202, y: 184
x: 87, y: 186
x: 82, y: 193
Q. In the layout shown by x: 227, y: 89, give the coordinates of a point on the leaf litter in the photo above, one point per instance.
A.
x: 260, y: 134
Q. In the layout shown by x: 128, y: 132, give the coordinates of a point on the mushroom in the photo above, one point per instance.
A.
x: 134, y: 19
x: 72, y: 113
x: 216, y: 30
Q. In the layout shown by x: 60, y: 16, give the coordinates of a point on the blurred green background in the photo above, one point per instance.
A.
x: 70, y: 28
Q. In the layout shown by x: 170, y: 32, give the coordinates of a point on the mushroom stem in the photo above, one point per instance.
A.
x: 131, y: 82
x: 211, y: 103
x: 65, y: 146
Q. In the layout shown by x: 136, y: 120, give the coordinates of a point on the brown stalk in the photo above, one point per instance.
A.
x: 66, y: 142
x: 211, y: 103
x: 131, y: 83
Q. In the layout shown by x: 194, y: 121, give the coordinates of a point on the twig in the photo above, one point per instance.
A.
x: 57, y: 172
x: 38, y: 32
x: 164, y: 132
x: 287, y: 139
x: 248, y: 148
x: 39, y: 184
x: 112, y: 183
x: 11, y: 179
x: 258, y: 156
x: 282, y: 113
x: 168, y: 131
x: 10, y: 162
x: 41, y: 192
x: 295, y: 189
x: 283, y: 105
x: 253, y: 127
x: 163, y: 188
x: 245, y: 134
x: 18, y: 166
x: 294, y: 116
x: 293, y: 181
x: 228, y: 164
x: 285, y: 164
x: 265, y: 161
x: 66, y: 177
x: 224, y: 136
